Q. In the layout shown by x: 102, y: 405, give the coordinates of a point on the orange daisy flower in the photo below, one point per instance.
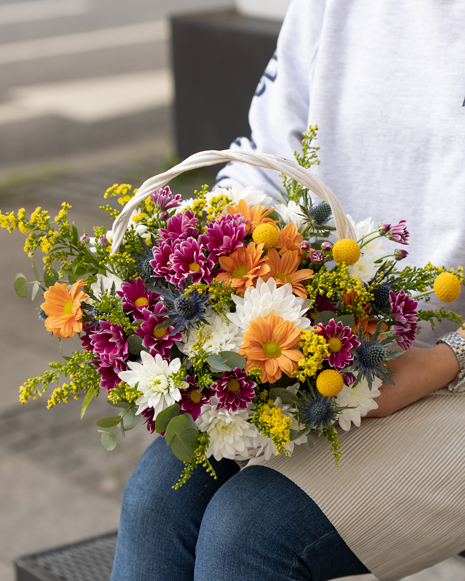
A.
x: 290, y: 239
x: 284, y: 270
x: 270, y: 345
x: 243, y: 266
x: 63, y: 308
x: 253, y: 216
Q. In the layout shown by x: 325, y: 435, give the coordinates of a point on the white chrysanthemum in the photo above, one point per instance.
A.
x: 105, y: 283
x: 365, y: 267
x: 291, y: 214
x: 250, y: 195
x: 230, y: 432
x: 220, y: 335
x: 359, y: 397
x: 267, y: 299
x: 153, y: 379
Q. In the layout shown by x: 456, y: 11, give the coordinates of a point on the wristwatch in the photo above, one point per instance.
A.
x: 457, y: 343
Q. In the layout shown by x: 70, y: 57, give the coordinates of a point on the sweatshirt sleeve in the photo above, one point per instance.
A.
x: 279, y: 110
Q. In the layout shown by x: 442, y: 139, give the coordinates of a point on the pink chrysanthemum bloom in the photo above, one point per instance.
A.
x: 109, y: 365
x: 149, y: 415
x: 340, y: 341
x: 404, y: 312
x: 188, y: 259
x: 234, y: 390
x: 161, y: 262
x: 180, y: 226
x: 192, y: 399
x: 109, y: 338
x: 157, y: 340
x: 164, y: 199
x: 224, y: 235
x: 397, y: 233
x: 136, y: 297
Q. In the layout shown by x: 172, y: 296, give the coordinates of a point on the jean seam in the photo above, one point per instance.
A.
x: 307, y: 548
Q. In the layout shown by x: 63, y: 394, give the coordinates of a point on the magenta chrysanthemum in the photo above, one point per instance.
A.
x: 161, y: 259
x: 164, y: 199
x: 109, y: 366
x: 108, y: 338
x: 223, y: 236
x: 340, y: 341
x: 157, y: 340
x: 404, y: 312
x: 188, y: 259
x: 180, y: 227
x: 149, y: 415
x: 136, y: 297
x: 234, y: 390
x: 192, y: 399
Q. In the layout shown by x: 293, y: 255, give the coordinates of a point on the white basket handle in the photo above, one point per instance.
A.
x: 267, y: 161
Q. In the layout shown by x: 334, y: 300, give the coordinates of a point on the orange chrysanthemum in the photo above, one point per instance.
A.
x: 253, y: 216
x: 243, y: 266
x: 284, y: 270
x: 63, y: 308
x: 270, y: 345
x: 290, y: 239
x: 368, y: 324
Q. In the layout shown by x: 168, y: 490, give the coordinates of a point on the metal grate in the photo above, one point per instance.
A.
x: 89, y: 560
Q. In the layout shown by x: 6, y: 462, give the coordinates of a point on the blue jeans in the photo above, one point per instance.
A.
x: 249, y: 525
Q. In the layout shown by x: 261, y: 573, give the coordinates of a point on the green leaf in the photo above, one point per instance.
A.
x: 89, y: 395
x: 130, y: 420
x: 164, y: 417
x: 346, y: 320
x: 109, y: 422
x: 75, y: 233
x: 108, y: 441
x: 21, y: 285
x: 310, y: 441
x: 185, y: 444
x: 135, y: 344
x: 50, y: 280
x: 72, y: 279
x: 233, y: 359
x: 121, y: 404
x: 295, y: 435
x: 217, y: 363
x: 175, y: 427
x: 324, y: 317
x: 36, y: 270
x: 35, y: 289
x: 287, y: 397
x: 123, y: 436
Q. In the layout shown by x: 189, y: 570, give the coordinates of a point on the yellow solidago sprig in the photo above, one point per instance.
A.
x: 307, y: 158
x: 217, y: 206
x: 199, y: 206
x: 199, y: 459
x: 315, y: 349
x: 271, y: 422
x: 220, y: 293
x: 124, y: 392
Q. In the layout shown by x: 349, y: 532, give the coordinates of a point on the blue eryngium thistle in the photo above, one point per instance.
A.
x: 317, y: 412
x: 321, y: 213
x: 184, y: 312
x: 381, y: 296
x: 41, y: 314
x: 143, y: 267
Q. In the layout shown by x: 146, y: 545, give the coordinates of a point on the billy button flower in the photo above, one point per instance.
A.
x: 346, y: 251
x: 266, y: 234
x: 329, y: 382
x: 447, y: 287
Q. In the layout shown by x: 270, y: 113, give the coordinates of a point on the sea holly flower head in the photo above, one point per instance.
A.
x: 340, y: 341
x: 180, y: 226
x: 404, y: 312
x: 185, y: 312
x: 188, y: 260
x: 224, y: 236
x: 317, y: 411
x: 136, y: 297
x: 157, y: 337
x: 234, y: 390
x: 164, y: 199
x: 192, y: 399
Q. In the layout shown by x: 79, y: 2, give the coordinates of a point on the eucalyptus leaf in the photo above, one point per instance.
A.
x: 21, y: 285
x: 233, y: 359
x: 185, y: 444
x: 109, y: 422
x: 130, y: 420
x: 36, y: 270
x: 50, y: 280
x: 287, y: 397
x: 163, y: 418
x: 175, y: 427
x: 135, y: 344
x: 123, y: 435
x: 324, y: 317
x: 217, y: 363
x: 89, y: 395
x: 108, y: 441
x: 346, y: 320
x: 35, y: 289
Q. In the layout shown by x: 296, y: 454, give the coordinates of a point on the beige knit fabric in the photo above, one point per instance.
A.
x: 398, y: 495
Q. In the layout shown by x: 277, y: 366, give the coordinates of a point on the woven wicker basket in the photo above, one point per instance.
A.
x: 207, y: 158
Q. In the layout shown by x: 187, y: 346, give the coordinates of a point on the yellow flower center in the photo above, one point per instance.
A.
x: 68, y: 307
x: 346, y: 250
x: 233, y: 385
x: 271, y: 349
x: 194, y: 266
x: 283, y: 276
x: 335, y: 345
x: 446, y: 287
x: 196, y: 396
x: 141, y: 302
x: 159, y: 333
x: 329, y: 382
x: 240, y: 271
x: 266, y: 234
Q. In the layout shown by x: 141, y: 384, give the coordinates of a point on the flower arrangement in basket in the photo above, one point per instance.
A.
x: 234, y: 329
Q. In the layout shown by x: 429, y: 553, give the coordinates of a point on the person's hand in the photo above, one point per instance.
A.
x: 418, y: 372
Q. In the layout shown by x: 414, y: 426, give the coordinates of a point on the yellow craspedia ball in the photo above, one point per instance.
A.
x: 446, y: 287
x: 266, y: 234
x: 346, y: 250
x: 329, y: 382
